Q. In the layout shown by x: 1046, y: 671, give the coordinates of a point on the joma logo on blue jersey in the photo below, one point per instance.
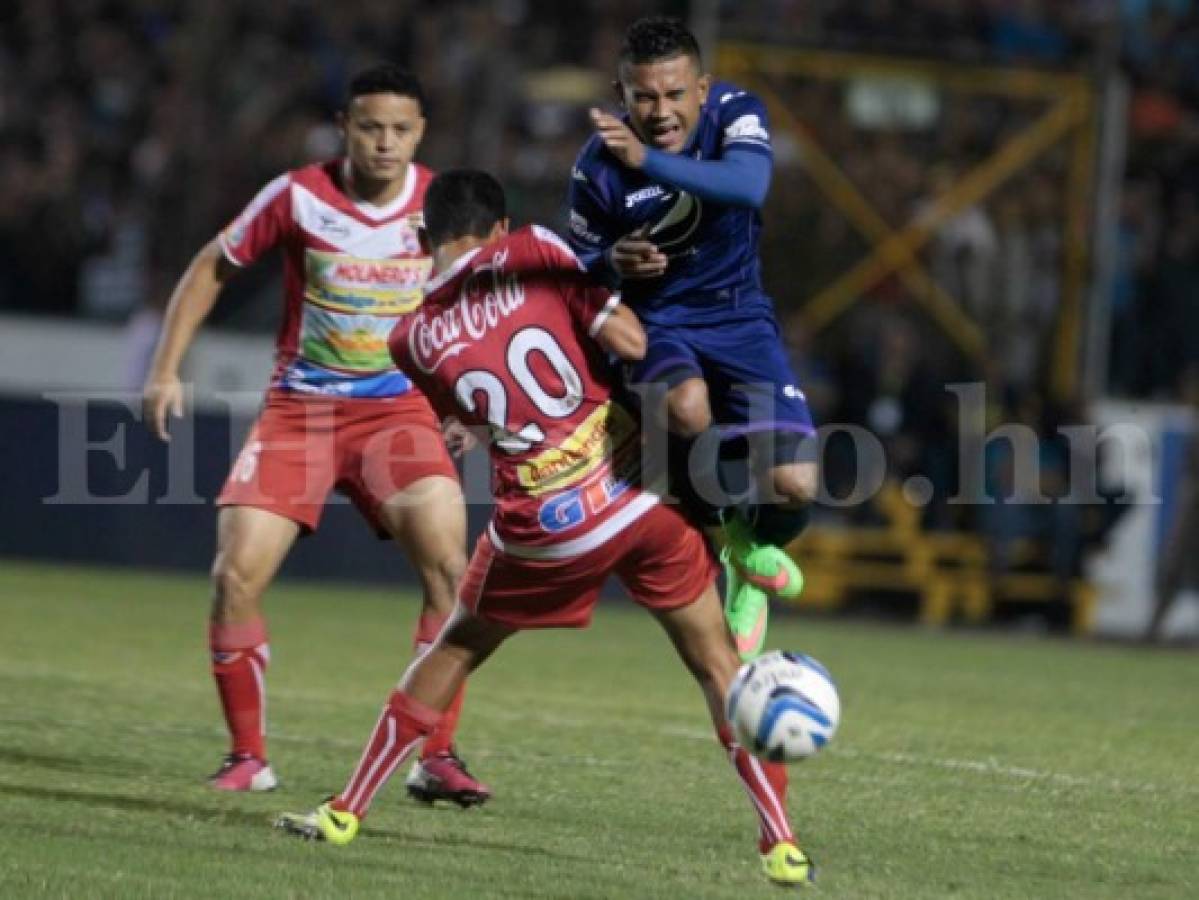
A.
x: 642, y: 195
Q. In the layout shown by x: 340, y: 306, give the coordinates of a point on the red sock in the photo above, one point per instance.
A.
x: 766, y: 784
x: 441, y: 739
x: 402, y: 724
x: 240, y: 654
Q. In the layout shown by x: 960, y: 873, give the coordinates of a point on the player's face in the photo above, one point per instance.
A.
x: 663, y: 99
x: 382, y: 132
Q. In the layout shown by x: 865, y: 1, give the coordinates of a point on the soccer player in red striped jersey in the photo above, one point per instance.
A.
x: 513, y: 337
x: 338, y: 414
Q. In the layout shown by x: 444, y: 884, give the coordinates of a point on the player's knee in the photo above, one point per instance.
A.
x: 796, y: 484
x: 473, y: 639
x: 235, y: 591
x: 688, y: 408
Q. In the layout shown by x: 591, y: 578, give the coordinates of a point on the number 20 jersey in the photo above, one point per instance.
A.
x: 506, y: 339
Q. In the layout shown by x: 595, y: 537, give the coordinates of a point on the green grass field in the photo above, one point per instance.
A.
x: 966, y: 765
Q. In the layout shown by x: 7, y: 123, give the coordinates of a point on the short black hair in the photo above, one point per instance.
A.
x: 463, y: 203
x: 386, y: 78
x: 658, y: 37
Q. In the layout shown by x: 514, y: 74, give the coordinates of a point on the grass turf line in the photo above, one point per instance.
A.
x: 967, y: 766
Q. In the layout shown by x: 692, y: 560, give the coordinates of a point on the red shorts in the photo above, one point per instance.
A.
x: 303, y: 447
x: 662, y: 560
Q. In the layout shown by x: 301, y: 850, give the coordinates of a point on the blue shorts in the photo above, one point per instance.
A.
x: 751, y: 387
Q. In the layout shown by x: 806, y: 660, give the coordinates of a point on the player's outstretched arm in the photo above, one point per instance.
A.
x: 622, y: 335
x: 741, y: 177
x: 193, y: 299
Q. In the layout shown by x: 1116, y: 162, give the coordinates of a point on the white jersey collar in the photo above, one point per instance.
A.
x: 370, y: 210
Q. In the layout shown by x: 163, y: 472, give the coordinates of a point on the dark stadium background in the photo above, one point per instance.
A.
x: 132, y: 130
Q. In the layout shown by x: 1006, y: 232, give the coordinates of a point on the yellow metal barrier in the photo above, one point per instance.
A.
x: 1069, y: 115
x: 947, y: 572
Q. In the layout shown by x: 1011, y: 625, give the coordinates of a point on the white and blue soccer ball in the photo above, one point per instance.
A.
x: 783, y: 707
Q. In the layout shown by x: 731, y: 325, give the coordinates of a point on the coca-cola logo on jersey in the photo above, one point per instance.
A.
x: 487, y: 297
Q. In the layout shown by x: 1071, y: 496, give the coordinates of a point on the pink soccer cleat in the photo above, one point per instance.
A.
x: 239, y: 772
x: 443, y: 776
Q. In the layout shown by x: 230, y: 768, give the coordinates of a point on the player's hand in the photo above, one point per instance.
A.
x: 632, y: 256
x: 160, y: 396
x: 458, y: 438
x: 619, y: 138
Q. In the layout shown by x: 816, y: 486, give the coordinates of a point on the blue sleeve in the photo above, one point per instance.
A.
x: 741, y: 178
x: 592, y: 232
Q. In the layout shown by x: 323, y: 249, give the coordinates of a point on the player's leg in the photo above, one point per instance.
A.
x: 759, y: 530
x: 673, y: 367
x: 668, y: 386
x: 670, y: 570
x: 415, y: 708
x: 405, y: 483
x: 767, y: 456
x: 411, y: 714
x: 428, y: 520
x: 277, y: 487
x: 702, y: 641
x: 499, y: 595
x: 689, y: 414
x: 251, y: 545
x: 776, y: 512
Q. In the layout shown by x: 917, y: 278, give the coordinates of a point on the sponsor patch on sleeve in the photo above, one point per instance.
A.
x: 746, y: 129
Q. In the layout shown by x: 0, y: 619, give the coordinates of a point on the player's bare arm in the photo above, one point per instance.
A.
x: 193, y: 299
x: 739, y: 178
x: 623, y: 335
x: 459, y: 439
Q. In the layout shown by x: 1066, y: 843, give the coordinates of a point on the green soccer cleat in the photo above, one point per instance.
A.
x: 322, y: 824
x: 732, y: 578
x: 746, y: 610
x: 788, y: 866
x: 765, y: 566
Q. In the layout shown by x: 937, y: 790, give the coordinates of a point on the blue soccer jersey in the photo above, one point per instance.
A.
x: 714, y: 274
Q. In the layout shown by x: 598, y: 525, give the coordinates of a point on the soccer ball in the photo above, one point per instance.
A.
x: 783, y: 706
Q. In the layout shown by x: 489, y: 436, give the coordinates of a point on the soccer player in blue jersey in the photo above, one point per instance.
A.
x: 665, y: 202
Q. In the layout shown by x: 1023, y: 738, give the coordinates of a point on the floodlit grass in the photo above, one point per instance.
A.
x: 966, y: 766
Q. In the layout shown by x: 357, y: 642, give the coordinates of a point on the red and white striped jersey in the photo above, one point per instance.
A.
x: 505, y: 339
x: 351, y: 270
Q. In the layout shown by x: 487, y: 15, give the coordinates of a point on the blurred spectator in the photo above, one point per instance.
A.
x: 892, y: 385
x: 1017, y: 233
x: 964, y: 250
x: 1025, y: 32
x: 131, y: 130
x: 810, y: 368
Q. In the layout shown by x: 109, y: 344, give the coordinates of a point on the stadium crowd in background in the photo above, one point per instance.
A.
x: 123, y: 125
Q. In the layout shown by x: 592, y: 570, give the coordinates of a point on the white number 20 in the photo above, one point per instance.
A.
x: 524, y: 343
